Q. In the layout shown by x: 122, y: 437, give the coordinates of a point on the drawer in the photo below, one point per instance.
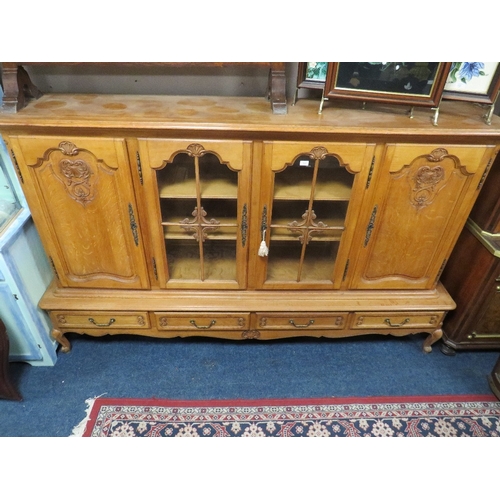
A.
x: 370, y: 321
x: 206, y: 321
x: 94, y: 319
x: 301, y: 321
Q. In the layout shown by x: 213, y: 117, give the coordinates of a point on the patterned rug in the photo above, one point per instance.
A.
x: 431, y: 416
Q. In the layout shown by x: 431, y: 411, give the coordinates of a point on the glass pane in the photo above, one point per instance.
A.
x: 283, y: 260
x: 220, y: 260
x: 334, y: 181
x: 295, y: 181
x: 183, y: 258
x: 308, y: 219
x: 319, y: 261
x: 217, y: 180
x: 177, y: 179
x: 175, y: 211
x: 9, y: 204
x: 199, y: 207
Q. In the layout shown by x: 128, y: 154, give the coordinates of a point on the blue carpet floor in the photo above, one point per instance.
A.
x: 135, y: 367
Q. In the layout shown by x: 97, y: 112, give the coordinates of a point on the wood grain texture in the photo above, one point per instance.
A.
x: 79, y: 193
x: 192, y: 116
x: 409, y: 190
x: 419, y: 203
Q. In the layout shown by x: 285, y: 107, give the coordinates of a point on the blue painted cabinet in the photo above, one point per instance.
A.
x: 25, y: 273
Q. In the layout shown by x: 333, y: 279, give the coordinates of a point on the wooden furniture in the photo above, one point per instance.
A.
x: 19, y: 89
x: 486, y: 212
x: 25, y: 274
x: 494, y: 379
x: 472, y: 275
x: 174, y: 216
x: 7, y: 388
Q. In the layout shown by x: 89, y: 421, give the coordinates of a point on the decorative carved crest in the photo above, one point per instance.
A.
x: 437, y: 155
x: 318, y: 153
x: 68, y: 148
x: 196, y: 150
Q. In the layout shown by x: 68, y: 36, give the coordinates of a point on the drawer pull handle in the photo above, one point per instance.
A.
x: 102, y: 325
x: 388, y: 321
x: 292, y: 322
x: 475, y: 335
x: 212, y: 323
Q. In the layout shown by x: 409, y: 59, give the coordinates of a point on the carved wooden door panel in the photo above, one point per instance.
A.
x: 423, y: 198
x: 81, y: 197
x: 197, y: 197
x: 303, y: 225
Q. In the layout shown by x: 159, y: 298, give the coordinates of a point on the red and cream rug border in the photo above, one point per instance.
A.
x: 406, y: 416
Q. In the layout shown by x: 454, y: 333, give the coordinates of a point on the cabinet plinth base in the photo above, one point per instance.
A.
x: 244, y: 315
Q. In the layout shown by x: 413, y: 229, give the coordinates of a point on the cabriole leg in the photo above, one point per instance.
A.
x: 431, y: 339
x: 59, y: 337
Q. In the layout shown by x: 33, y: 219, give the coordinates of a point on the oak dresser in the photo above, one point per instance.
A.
x: 211, y: 216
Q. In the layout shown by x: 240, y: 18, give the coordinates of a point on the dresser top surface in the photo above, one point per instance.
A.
x: 246, y: 114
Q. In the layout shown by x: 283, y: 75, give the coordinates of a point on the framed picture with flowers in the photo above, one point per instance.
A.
x: 412, y: 83
x: 311, y: 75
x: 473, y: 81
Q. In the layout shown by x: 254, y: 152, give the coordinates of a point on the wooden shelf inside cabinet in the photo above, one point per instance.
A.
x: 316, y: 273
x: 330, y: 191
x: 215, y: 189
x: 327, y: 180
x: 219, y: 263
x: 19, y: 89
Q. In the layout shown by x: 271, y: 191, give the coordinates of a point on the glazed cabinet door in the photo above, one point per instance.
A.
x: 303, y: 224
x: 423, y: 198
x: 81, y: 198
x: 196, y: 194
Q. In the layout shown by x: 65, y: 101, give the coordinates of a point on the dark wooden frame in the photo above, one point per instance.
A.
x: 432, y: 100
x: 305, y: 83
x: 489, y: 98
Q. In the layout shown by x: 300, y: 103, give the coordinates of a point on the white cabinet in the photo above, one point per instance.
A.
x: 24, y: 274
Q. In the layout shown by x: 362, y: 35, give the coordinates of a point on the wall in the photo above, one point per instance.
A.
x: 170, y: 80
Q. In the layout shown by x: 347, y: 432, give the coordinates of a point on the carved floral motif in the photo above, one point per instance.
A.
x: 76, y: 175
x: 250, y: 334
x: 428, y: 179
x: 425, y: 182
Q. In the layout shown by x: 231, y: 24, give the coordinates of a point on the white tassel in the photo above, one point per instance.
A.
x: 79, y: 429
x: 263, y: 249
